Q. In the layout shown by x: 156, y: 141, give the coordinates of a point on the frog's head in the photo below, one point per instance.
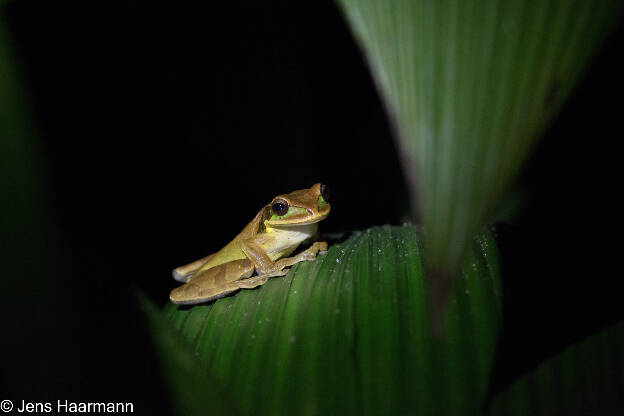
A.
x: 305, y: 206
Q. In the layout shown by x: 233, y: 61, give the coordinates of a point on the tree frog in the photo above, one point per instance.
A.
x: 262, y: 247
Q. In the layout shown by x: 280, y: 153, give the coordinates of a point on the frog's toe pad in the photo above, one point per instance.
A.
x: 307, y: 256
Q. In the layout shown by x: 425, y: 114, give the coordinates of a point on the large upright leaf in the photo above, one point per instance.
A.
x: 470, y: 86
x: 32, y: 260
x: 586, y: 378
x: 348, y: 334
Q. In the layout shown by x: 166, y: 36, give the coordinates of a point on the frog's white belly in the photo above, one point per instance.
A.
x: 287, y: 238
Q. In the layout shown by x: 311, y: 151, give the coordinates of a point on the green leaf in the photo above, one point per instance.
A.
x: 348, y: 333
x: 469, y: 86
x: 34, y: 259
x: 193, y: 391
x: 585, y: 378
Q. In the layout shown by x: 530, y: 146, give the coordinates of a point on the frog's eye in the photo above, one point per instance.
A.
x: 279, y: 207
x: 325, y: 193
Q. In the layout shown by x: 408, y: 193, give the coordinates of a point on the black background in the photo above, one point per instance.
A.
x: 163, y: 127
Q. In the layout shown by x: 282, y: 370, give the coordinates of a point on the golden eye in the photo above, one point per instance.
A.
x: 279, y: 207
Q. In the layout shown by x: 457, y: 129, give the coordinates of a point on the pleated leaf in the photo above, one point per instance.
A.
x: 192, y: 391
x: 469, y: 87
x: 348, y: 333
x: 33, y: 260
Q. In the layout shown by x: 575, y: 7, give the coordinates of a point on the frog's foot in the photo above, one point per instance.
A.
x: 278, y: 273
x: 306, y: 255
x: 259, y: 280
x: 319, y: 247
x: 322, y: 247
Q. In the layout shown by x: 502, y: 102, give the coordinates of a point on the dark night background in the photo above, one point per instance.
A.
x: 163, y: 127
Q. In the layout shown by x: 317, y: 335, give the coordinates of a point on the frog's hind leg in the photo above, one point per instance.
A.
x: 214, y: 283
x: 184, y: 273
x: 191, y: 294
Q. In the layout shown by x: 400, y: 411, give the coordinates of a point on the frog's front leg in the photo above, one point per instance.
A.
x: 264, y: 265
